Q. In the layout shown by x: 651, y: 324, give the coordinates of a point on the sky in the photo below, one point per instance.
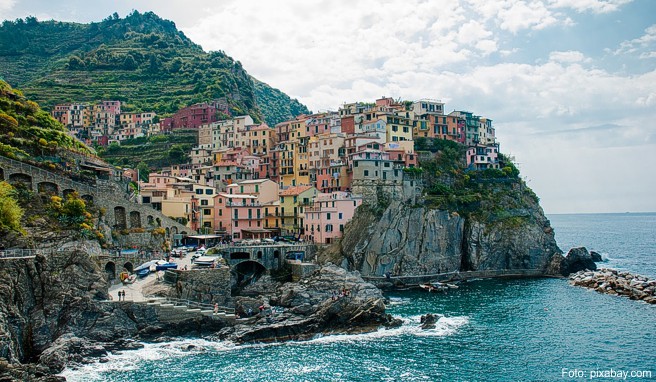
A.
x: 569, y: 84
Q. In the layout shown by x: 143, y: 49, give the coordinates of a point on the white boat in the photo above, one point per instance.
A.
x: 205, y: 261
x: 433, y: 287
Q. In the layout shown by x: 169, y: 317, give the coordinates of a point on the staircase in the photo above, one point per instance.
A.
x: 176, y: 310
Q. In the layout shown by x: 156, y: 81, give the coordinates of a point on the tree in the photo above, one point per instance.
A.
x: 10, y: 212
x: 129, y: 63
x: 144, y: 170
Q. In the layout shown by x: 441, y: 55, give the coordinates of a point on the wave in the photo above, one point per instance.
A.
x: 131, y: 360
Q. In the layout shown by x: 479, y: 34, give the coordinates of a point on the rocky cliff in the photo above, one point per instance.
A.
x: 510, y: 233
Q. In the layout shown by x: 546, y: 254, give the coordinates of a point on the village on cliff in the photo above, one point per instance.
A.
x: 303, y: 177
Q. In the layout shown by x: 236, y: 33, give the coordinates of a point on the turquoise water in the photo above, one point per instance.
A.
x: 493, y: 330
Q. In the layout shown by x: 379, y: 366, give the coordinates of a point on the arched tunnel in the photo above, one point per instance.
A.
x: 246, y: 273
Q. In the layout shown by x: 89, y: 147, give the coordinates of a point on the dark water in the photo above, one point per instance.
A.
x: 492, y: 330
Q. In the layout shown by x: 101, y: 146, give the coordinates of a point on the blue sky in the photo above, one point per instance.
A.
x: 569, y: 84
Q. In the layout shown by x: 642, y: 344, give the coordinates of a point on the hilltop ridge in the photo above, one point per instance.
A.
x: 141, y: 60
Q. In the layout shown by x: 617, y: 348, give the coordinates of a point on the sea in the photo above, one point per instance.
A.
x: 488, y: 330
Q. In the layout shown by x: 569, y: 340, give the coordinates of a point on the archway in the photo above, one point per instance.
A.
x: 246, y: 273
x: 150, y: 220
x: 174, y: 230
x: 159, y: 222
x: 48, y: 188
x: 110, y: 270
x: 128, y: 267
x: 259, y: 255
x: 135, y: 219
x: 67, y: 192
x: 2, y: 174
x: 168, y: 232
x: 87, y: 198
x: 24, y: 179
x: 119, y: 218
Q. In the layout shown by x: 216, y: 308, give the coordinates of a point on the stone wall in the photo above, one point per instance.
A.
x: 208, y: 286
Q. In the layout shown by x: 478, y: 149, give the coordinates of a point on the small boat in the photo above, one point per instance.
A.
x: 163, y: 265
x: 144, y: 269
x: 205, y: 261
x: 433, y: 287
x: 452, y: 286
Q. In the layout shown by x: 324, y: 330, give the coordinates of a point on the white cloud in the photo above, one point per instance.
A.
x: 594, y: 6
x: 523, y: 15
x: 569, y: 56
x: 646, y: 41
x: 6, y: 5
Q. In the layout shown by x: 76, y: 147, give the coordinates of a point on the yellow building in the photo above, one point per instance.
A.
x: 293, y: 200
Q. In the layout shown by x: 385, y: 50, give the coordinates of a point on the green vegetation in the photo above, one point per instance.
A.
x: 27, y: 131
x: 72, y: 213
x: 154, y: 152
x: 141, y: 60
x: 276, y: 105
x: 491, y: 195
x: 10, y: 211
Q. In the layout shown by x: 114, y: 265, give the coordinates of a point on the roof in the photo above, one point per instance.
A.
x: 295, y: 190
x: 238, y: 196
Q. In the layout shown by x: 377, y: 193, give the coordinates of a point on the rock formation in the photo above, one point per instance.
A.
x: 616, y: 283
x: 414, y: 240
x: 315, y: 305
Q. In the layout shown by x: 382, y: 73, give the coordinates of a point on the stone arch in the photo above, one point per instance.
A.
x: 87, y: 198
x: 110, y: 270
x: 168, y: 232
x: 276, y: 254
x: 135, y: 219
x: 119, y: 218
x: 128, y: 267
x: 48, y: 188
x: 2, y: 174
x: 247, y: 272
x: 150, y: 220
x: 21, y: 178
x: 259, y: 255
x: 67, y: 192
x: 159, y: 222
x: 174, y: 230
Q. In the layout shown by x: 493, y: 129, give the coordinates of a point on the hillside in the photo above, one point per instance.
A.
x: 483, y: 221
x: 26, y: 131
x: 141, y: 60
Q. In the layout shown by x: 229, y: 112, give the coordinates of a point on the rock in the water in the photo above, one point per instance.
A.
x: 596, y: 257
x: 579, y: 259
x: 615, y: 283
x: 428, y: 321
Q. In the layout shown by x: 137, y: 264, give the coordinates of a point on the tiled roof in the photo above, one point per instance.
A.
x: 295, y: 190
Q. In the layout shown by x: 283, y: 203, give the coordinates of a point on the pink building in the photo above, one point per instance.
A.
x: 481, y: 157
x: 326, y: 219
x: 240, y: 212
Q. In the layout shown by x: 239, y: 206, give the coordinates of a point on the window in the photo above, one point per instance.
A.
x: 341, y: 228
x: 405, y: 129
x: 340, y: 216
x: 220, y: 212
x: 203, y: 202
x: 208, y: 191
x: 328, y: 216
x: 199, y: 191
x: 366, y: 172
x: 387, y: 164
x: 329, y: 228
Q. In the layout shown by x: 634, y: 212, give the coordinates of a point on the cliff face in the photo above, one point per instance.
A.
x: 417, y: 240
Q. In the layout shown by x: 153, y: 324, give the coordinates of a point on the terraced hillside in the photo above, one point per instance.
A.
x: 141, y: 60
